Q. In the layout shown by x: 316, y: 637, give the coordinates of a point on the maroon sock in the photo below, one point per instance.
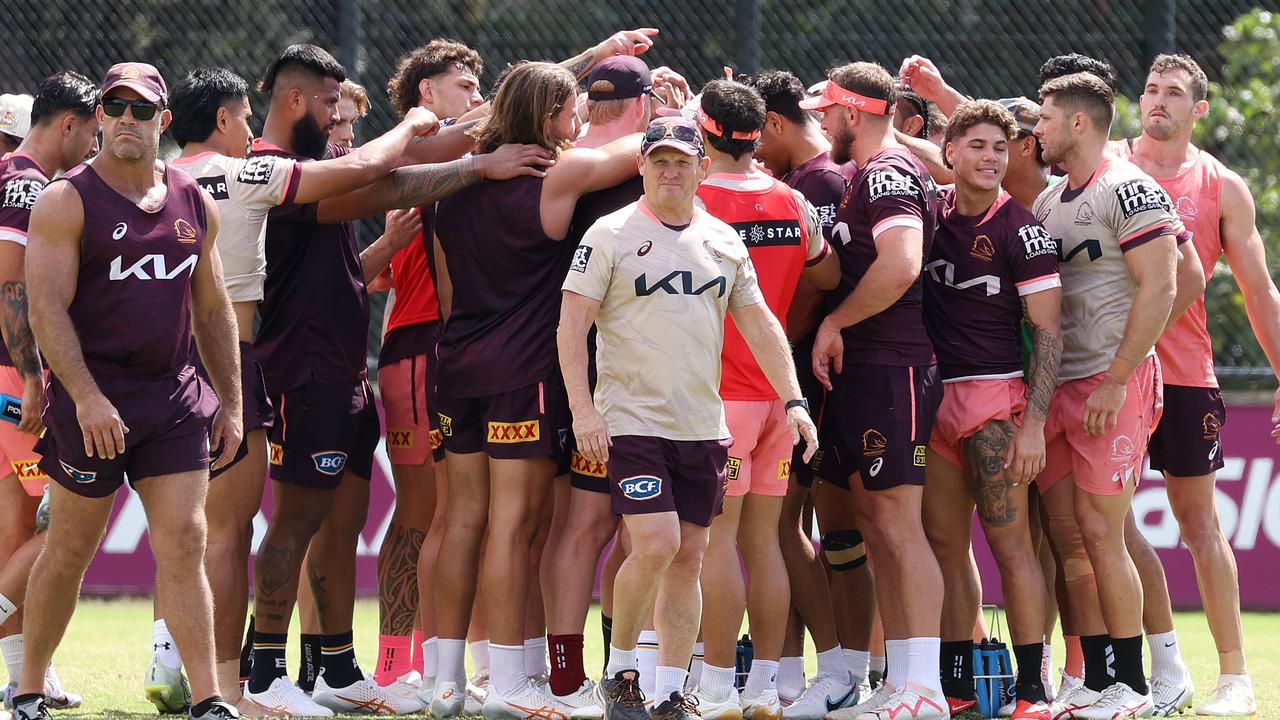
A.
x: 567, y: 674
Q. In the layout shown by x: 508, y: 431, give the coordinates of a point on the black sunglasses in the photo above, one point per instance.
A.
x: 683, y: 133
x: 142, y: 110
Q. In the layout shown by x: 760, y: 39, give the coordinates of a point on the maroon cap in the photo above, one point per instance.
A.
x: 628, y: 75
x: 139, y: 77
x: 679, y: 134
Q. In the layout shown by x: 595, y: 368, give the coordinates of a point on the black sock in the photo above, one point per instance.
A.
x: 309, y: 662
x: 338, y: 660
x: 246, y: 653
x: 1030, y: 687
x: 955, y: 664
x: 1097, y: 675
x: 205, y: 705
x: 606, y: 629
x: 268, y: 660
x: 1128, y: 663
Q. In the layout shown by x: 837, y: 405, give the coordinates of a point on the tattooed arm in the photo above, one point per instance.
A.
x: 1042, y: 313
x: 623, y: 42
x: 18, y: 337
x: 417, y: 185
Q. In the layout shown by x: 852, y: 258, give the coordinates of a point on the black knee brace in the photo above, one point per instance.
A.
x: 844, y: 549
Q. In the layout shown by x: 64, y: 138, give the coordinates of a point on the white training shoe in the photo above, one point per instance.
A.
x: 1117, y: 701
x: 1071, y: 699
x: 873, y: 701
x: 284, y: 699
x: 709, y: 708
x: 478, y: 689
x: 1171, y: 697
x: 526, y: 703
x: 58, y: 699
x: 765, y: 706
x: 912, y: 702
x: 583, y: 702
x: 425, y: 688
x: 447, y: 699
x: 166, y: 688
x: 407, y: 687
x: 825, y: 694
x: 1232, y: 698
x: 364, y: 696
x: 1067, y: 683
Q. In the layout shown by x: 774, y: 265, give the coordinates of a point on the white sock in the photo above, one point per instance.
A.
x: 647, y: 662
x: 507, y: 674
x: 431, y: 658
x: 480, y: 656
x: 1166, y: 661
x: 877, y: 665
x: 11, y: 648
x: 922, y: 662
x: 716, y: 682
x: 763, y: 676
x: 163, y: 648
x: 667, y: 680
x: 832, y: 663
x: 695, y: 667
x: 1046, y: 668
x: 7, y: 608
x: 791, y: 677
x: 1223, y: 678
x: 535, y: 657
x: 896, y: 661
x: 620, y: 660
x: 451, y: 656
x: 857, y: 661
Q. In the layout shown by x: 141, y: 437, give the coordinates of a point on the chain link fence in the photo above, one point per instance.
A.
x: 989, y: 48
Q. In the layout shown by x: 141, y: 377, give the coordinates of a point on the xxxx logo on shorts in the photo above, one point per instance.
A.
x: 276, y: 453
x: 437, y: 438
x: 918, y: 456
x: 399, y: 439
x: 28, y: 470
x: 329, y: 462
x: 83, y: 477
x: 784, y: 468
x: 873, y: 443
x: 1212, y: 426
x: 581, y: 465
x: 516, y: 432
x: 732, y: 467
x: 641, y: 487
x: 446, y: 424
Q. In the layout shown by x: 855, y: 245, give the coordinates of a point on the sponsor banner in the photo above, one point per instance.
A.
x: 1248, y: 499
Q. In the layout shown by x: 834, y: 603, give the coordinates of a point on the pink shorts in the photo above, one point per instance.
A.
x: 411, y: 440
x: 17, y: 447
x: 1101, y: 464
x: 968, y: 405
x: 760, y: 459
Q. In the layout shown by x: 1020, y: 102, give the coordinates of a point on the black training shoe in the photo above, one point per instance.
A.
x: 621, y: 697
x: 218, y: 710
x: 677, y: 707
x: 30, y: 707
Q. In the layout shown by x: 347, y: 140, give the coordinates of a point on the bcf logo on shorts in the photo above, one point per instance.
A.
x: 641, y: 487
x: 329, y: 462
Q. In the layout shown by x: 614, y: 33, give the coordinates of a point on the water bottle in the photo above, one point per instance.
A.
x: 742, y: 663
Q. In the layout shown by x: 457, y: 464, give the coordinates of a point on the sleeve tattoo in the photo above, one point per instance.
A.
x: 17, y: 329
x: 1042, y: 369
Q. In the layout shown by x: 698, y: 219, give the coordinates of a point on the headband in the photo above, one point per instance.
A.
x: 710, y: 125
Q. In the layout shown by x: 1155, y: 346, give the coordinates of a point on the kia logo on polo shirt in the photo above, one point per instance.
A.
x: 641, y: 487
x: 330, y: 462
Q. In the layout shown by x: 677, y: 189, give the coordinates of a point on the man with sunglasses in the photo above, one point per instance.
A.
x: 124, y: 274
x: 657, y: 278
x: 62, y: 131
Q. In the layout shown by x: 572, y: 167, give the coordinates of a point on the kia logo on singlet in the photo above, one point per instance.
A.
x: 641, y: 487
x: 679, y: 282
x: 151, y: 267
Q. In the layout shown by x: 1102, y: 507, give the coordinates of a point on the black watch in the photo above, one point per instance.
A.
x: 798, y: 402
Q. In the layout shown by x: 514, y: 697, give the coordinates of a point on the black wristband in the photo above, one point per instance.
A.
x: 798, y: 402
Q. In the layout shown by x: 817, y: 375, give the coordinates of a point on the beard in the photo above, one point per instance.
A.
x: 309, y: 139
x: 134, y: 151
x: 842, y: 146
x: 1162, y: 131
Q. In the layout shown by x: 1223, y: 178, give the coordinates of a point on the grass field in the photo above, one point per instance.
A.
x: 108, y: 646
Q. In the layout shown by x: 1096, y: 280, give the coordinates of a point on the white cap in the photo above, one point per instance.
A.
x: 15, y: 114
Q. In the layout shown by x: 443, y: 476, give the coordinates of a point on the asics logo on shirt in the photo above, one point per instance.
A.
x: 151, y: 267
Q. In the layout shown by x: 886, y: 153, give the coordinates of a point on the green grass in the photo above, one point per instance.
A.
x: 108, y: 646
